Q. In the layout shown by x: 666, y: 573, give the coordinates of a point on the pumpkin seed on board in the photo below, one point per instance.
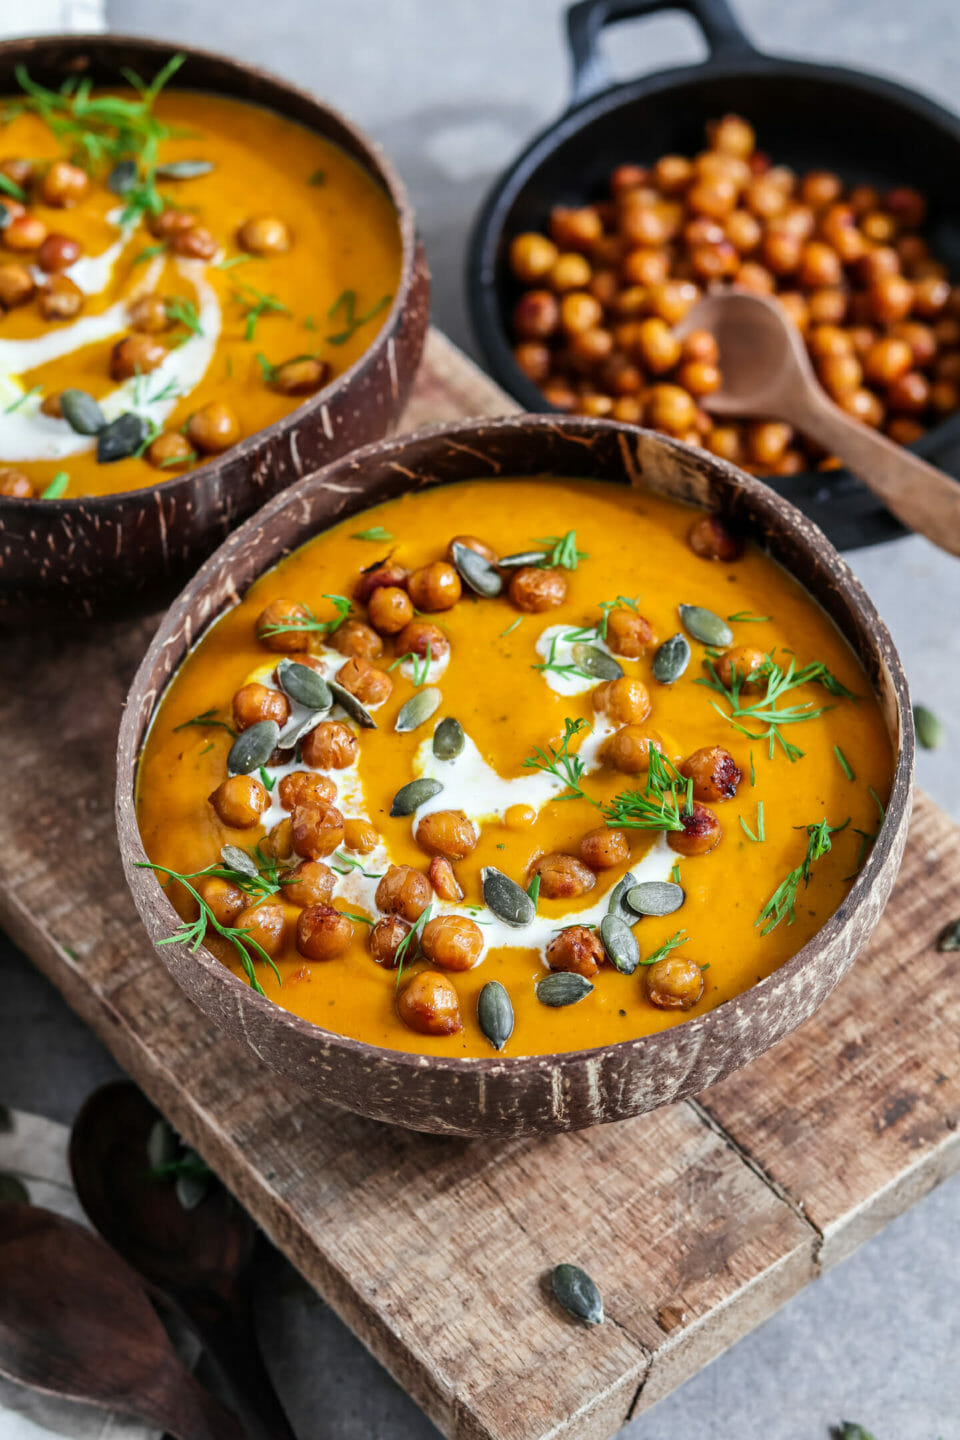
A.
x: 476, y: 571
x: 184, y: 169
x: 236, y: 859
x: 928, y: 727
x: 253, y: 748
x: 617, y: 904
x: 352, y: 705
x: 563, y: 987
x: 448, y: 739
x: 596, y: 662
x: 414, y: 794
x: 522, y: 557
x: 304, y: 685
x: 578, y: 1294
x: 704, y: 626
x: 508, y: 901
x: 418, y: 709
x: 121, y: 438
x: 655, y: 897
x: 81, y: 412
x: 495, y: 1013
x: 671, y: 659
x: 949, y: 939
x: 620, y: 944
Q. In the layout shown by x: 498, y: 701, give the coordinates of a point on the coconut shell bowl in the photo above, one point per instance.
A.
x: 568, y: 1091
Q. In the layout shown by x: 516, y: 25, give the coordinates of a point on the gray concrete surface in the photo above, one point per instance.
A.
x: 452, y: 88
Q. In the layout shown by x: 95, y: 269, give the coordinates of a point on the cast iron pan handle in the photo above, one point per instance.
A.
x: 586, y: 21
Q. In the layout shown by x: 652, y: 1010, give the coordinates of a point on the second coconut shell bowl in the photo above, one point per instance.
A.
x: 524, y: 1095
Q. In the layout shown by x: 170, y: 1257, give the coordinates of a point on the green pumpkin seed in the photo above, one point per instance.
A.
x: 578, y: 1294
x: 655, y: 897
x: 236, y: 859
x: 414, y: 794
x: 418, y: 709
x: 294, y: 730
x: 620, y: 943
x: 253, y: 748
x: 162, y: 1144
x: 508, y: 901
x: 121, y: 438
x: 304, y: 685
x: 448, y: 739
x: 563, y: 987
x: 122, y: 177
x: 352, y: 705
x: 495, y: 1014
x: 12, y: 1190
x: 184, y: 169
x: 6, y: 215
x: 950, y: 938
x: 596, y: 662
x: 191, y: 1186
x: 704, y: 626
x: 671, y: 659
x: 476, y: 571
x: 522, y: 558
x: 928, y: 727
x: 81, y: 412
x: 617, y: 904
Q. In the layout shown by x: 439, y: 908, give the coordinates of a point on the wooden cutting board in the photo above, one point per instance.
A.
x: 696, y: 1221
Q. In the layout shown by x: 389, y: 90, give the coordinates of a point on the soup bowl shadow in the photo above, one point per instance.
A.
x: 573, y: 1089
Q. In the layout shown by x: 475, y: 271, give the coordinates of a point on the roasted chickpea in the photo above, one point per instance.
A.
x: 562, y: 877
x: 390, y: 609
x: 628, y: 177
x: 60, y: 298
x: 135, y: 355
x: 279, y: 842
x: 909, y: 393
x: 24, y: 233
x: 628, y: 410
x: 767, y: 440
x: 944, y: 333
x: 20, y: 171
x: 658, y: 346
x: 15, y: 485
x: 148, y: 314
x: 16, y: 285
x: 532, y: 256
x: 864, y: 406
x: 700, y: 834
x: 576, y: 949
x: 714, y: 772
x: 403, y: 891
x: 265, y: 923
x: 764, y: 198
x: 743, y: 230
x: 819, y: 266
x: 254, y: 702
x: 944, y: 397
x: 673, y: 983
x: 50, y: 405
x: 672, y: 174
x: 309, y: 883
x: 264, y: 235
x: 715, y: 197
x: 781, y: 251
x: 579, y: 311
x: 604, y: 848
x: 930, y: 296
x: 727, y: 442
x: 367, y: 682
x: 384, y: 572
x: 670, y: 408
x: 282, y: 613
x: 747, y: 661
x: 569, y: 272
x: 58, y: 252
x: 447, y: 832
x: 213, y: 428
x: 904, y: 431
x: 533, y: 590
x: 429, y: 1004
x: 197, y: 243
x: 453, y: 942
x: 755, y: 278
x: 891, y: 298
x: 420, y: 636
x: 673, y: 299
x: 628, y: 749
x: 710, y: 538
x: 644, y: 266
x: 575, y: 229
x: 317, y: 829
x: 331, y: 746
x: 300, y: 377
x: 239, y: 801
x: 626, y: 701
x: 444, y: 880
x: 820, y: 188
x: 169, y: 450
x: 628, y: 633
x: 732, y: 135
x: 698, y: 378
x: 825, y: 340
x: 533, y: 359
x: 887, y: 359
x: 470, y: 542
x: 360, y: 835
x: 303, y: 787
x: 827, y: 306
x: 225, y: 900
x: 839, y: 374
x: 700, y: 346
x: 64, y: 184
x: 170, y: 222
x: 435, y: 587
x: 323, y: 932
x: 386, y: 936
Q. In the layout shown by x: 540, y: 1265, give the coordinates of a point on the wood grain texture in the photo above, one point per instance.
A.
x: 697, y: 1221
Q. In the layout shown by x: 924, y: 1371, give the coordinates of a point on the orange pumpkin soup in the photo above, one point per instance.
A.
x: 177, y: 271
x: 516, y: 765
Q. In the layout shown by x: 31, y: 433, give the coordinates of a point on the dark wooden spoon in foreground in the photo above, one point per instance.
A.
x: 75, y: 1321
x: 199, y: 1258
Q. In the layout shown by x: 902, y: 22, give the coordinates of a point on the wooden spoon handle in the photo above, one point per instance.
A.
x: 925, y: 499
x: 233, y: 1347
x: 189, y: 1412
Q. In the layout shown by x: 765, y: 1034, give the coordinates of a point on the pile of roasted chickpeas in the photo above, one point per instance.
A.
x: 604, y: 289
x: 315, y: 827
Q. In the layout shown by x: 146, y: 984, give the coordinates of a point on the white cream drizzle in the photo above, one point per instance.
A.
x: 554, y: 640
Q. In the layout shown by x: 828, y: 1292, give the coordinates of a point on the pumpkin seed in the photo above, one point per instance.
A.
x: 253, y: 748
x: 236, y: 859
x: 304, y: 685
x: 414, y: 794
x: 578, y: 1294
x: 6, y: 215
x: 294, y: 730
x: 81, y: 412
x: 596, y: 662
x: 617, y: 904
x: 655, y: 897
x: 122, y: 177
x: 495, y: 1013
x: 162, y: 1144
x: 950, y: 937
x: 928, y: 727
x: 352, y: 705
x: 508, y: 901
x: 191, y: 1186
x: 184, y: 169
x: 121, y: 438
x: 620, y: 943
x: 418, y: 709
x: 476, y: 570
x: 704, y: 626
x: 671, y: 659
x: 448, y: 739
x: 523, y: 557
x: 563, y: 987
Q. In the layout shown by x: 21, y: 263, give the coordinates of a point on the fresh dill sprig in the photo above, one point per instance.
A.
x: 343, y: 864
x: 184, y: 312
x: 207, y: 720
x: 299, y: 623
x: 744, y: 617
x: 410, y: 944
x: 844, y: 763
x: 255, y: 303
x: 666, y: 798
x: 765, y: 712
x: 57, y: 487
x: 679, y: 938
x: 783, y: 901
x: 569, y: 669
x: 867, y: 837
x: 760, y: 835
x: 22, y: 399
x: 562, y: 552
x: 566, y: 768
x: 347, y: 302
x: 375, y: 532
x: 419, y: 664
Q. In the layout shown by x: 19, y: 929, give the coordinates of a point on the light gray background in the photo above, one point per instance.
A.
x: 452, y: 88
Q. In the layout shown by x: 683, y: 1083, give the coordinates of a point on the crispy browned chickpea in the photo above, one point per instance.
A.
x: 170, y: 222
x: 907, y: 205
x: 628, y: 633
x: 670, y: 408
x: 331, y: 746
x: 628, y: 410
x: 921, y: 342
x: 19, y: 170
x: 700, y: 346
x: 264, y: 235
x: 64, y: 184
x: 861, y: 338
x: 300, y: 377
x: 309, y: 883
x: 562, y: 877
x: 645, y: 266
x: 225, y: 900
x: 60, y: 298
x: 598, y: 406
x: 878, y: 264
x: 447, y: 832
x: 767, y: 440
x: 755, y: 278
x: 626, y: 701
x: 879, y: 227
x: 744, y: 660
x: 641, y: 223
x: 701, y: 230
x: 576, y: 949
x: 135, y: 355
x: 820, y: 266
x: 628, y: 749
x: 659, y: 347
x: 265, y: 923
x: 820, y: 188
x: 429, y: 1004
x: 367, y: 682
x: 16, y: 285
x: 909, y: 393
x: 947, y: 367
x: 435, y: 586
x: 839, y: 375
x: 944, y: 397
x: 453, y: 942
x: 715, y: 197
x: 700, y: 834
x: 905, y: 431
x: 710, y: 538
x: 24, y: 233
x: 579, y: 311
x: 891, y: 298
x: 15, y: 485
x: 50, y: 405
x: 536, y: 315
x: 213, y: 428
x: 57, y: 252
x: 699, y: 378
x: 532, y: 256
x: 390, y: 608
x: 443, y: 879
x: 930, y: 296
x: 353, y: 637
x: 278, y: 844
x: 317, y: 829
x: 864, y: 406
x: 828, y: 306
x: 569, y: 271
x: 727, y: 442
x: 239, y: 801
x: 604, y: 848
x: 743, y: 230
x: 533, y: 359
x: 197, y: 243
x: 604, y: 286
x: 386, y: 936
x: 282, y: 612
x: 148, y: 314
x: 420, y: 636
x: 824, y: 340
x: 672, y: 174
x: 628, y: 177
x: 764, y: 198
x: 254, y: 702
x: 714, y: 262
x: 575, y: 229
x: 673, y: 983
x: 303, y: 787
x: 714, y: 772
x: 945, y: 333
x: 403, y: 891
x: 470, y: 542
x: 732, y: 135
x: 533, y: 590
x: 887, y: 359
x: 323, y: 932
x: 673, y: 299
x: 169, y: 450
x: 384, y: 572
x: 781, y: 251
x: 620, y: 377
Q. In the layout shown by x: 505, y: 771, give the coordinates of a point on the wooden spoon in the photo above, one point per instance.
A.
x: 198, y: 1258
x: 75, y: 1321
x: 767, y: 372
